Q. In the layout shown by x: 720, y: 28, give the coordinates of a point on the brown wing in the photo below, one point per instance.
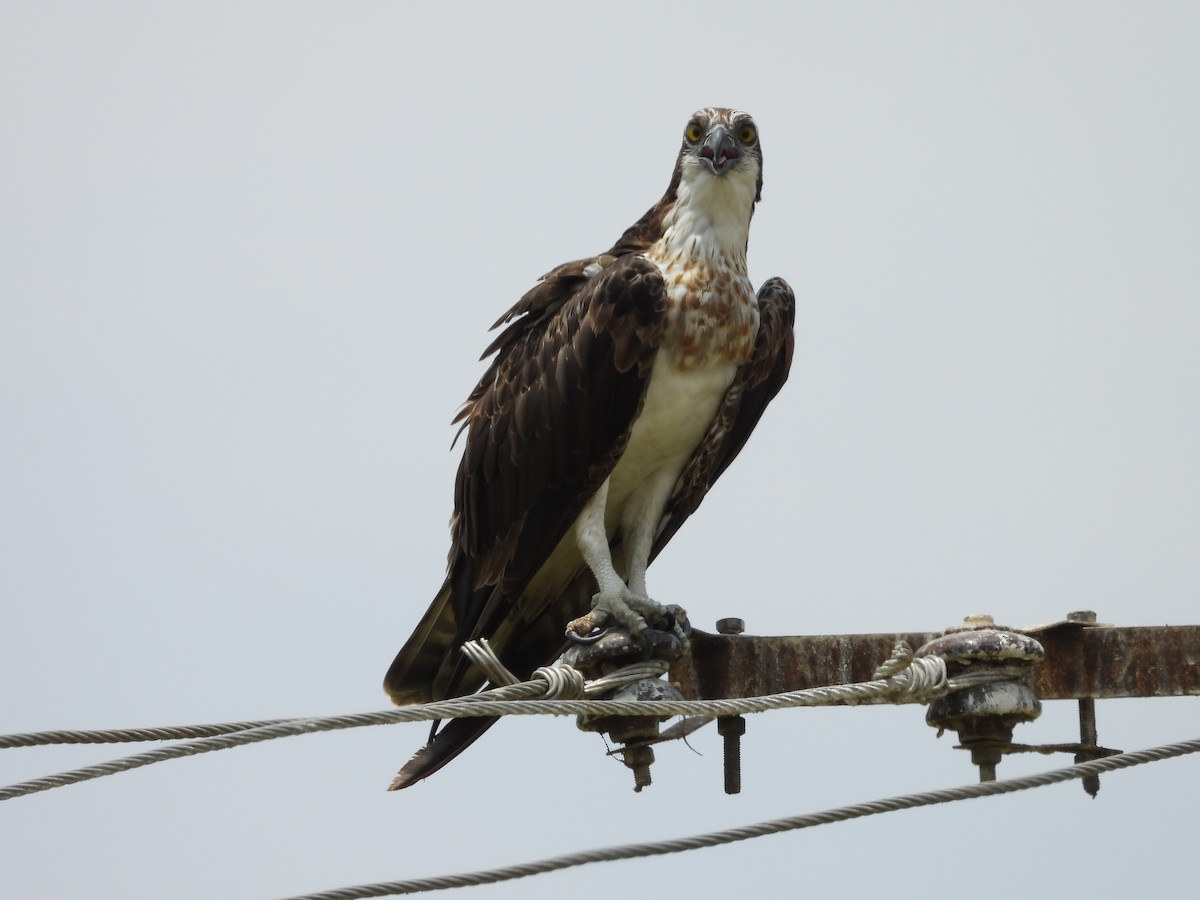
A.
x: 755, y: 385
x: 544, y: 427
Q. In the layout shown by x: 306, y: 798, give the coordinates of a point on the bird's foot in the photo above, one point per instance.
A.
x: 635, y: 612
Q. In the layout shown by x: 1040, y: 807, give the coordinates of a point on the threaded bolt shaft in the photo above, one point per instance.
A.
x: 731, y: 729
x: 639, y: 759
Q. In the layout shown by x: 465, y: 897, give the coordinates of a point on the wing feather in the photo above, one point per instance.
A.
x: 535, y: 453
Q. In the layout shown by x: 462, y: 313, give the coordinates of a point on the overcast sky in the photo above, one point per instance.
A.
x: 248, y: 257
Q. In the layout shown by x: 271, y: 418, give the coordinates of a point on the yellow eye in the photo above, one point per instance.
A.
x: 747, y: 134
x: 694, y: 132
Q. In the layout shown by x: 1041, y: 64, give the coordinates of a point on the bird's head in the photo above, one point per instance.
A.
x: 713, y: 190
x: 722, y: 144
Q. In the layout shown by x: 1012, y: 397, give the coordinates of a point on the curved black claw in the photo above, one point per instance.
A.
x: 677, y: 616
x: 591, y: 637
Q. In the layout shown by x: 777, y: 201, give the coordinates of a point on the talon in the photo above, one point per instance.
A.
x: 589, y: 638
x: 677, y: 616
x: 580, y: 629
x: 678, y: 624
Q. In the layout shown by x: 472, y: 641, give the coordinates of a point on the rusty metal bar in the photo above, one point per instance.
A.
x: 1082, y: 660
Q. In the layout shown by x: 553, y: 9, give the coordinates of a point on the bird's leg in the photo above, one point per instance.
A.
x: 628, y: 604
x: 639, y: 525
x: 612, y: 601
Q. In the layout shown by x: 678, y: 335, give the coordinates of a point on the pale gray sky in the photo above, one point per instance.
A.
x: 248, y: 256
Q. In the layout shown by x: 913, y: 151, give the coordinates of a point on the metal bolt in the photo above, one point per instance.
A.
x: 731, y: 626
x: 731, y: 728
x: 986, y: 741
x: 1087, y: 715
x: 1088, y: 737
x: 640, y: 759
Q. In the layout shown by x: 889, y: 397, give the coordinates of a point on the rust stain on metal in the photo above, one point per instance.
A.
x: 1100, y: 661
x: 1081, y: 661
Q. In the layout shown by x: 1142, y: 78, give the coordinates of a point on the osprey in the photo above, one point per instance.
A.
x: 621, y: 388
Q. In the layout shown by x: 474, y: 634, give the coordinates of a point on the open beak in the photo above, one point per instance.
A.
x: 719, y: 149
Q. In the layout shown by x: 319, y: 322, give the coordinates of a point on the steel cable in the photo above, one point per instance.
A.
x: 760, y: 829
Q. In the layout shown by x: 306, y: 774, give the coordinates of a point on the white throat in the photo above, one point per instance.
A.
x: 711, y: 217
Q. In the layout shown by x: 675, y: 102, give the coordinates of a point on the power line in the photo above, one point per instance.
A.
x: 557, y: 691
x: 129, y: 735
x: 761, y: 829
x: 901, y: 679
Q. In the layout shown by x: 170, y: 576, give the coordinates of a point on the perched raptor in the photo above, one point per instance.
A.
x: 620, y: 388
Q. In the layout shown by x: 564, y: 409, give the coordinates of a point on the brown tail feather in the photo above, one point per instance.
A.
x: 457, y: 736
x: 419, y: 667
x: 426, y: 669
x: 429, y: 666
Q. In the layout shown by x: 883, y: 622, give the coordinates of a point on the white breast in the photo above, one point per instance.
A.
x: 712, y: 321
x: 678, y: 408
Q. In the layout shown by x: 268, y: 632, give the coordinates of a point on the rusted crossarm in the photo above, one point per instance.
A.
x: 1082, y: 660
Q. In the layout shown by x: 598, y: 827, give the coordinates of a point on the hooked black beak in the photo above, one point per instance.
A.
x: 719, y: 149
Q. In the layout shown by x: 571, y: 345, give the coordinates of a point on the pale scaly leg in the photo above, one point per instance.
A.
x: 639, y: 525
x: 628, y: 604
